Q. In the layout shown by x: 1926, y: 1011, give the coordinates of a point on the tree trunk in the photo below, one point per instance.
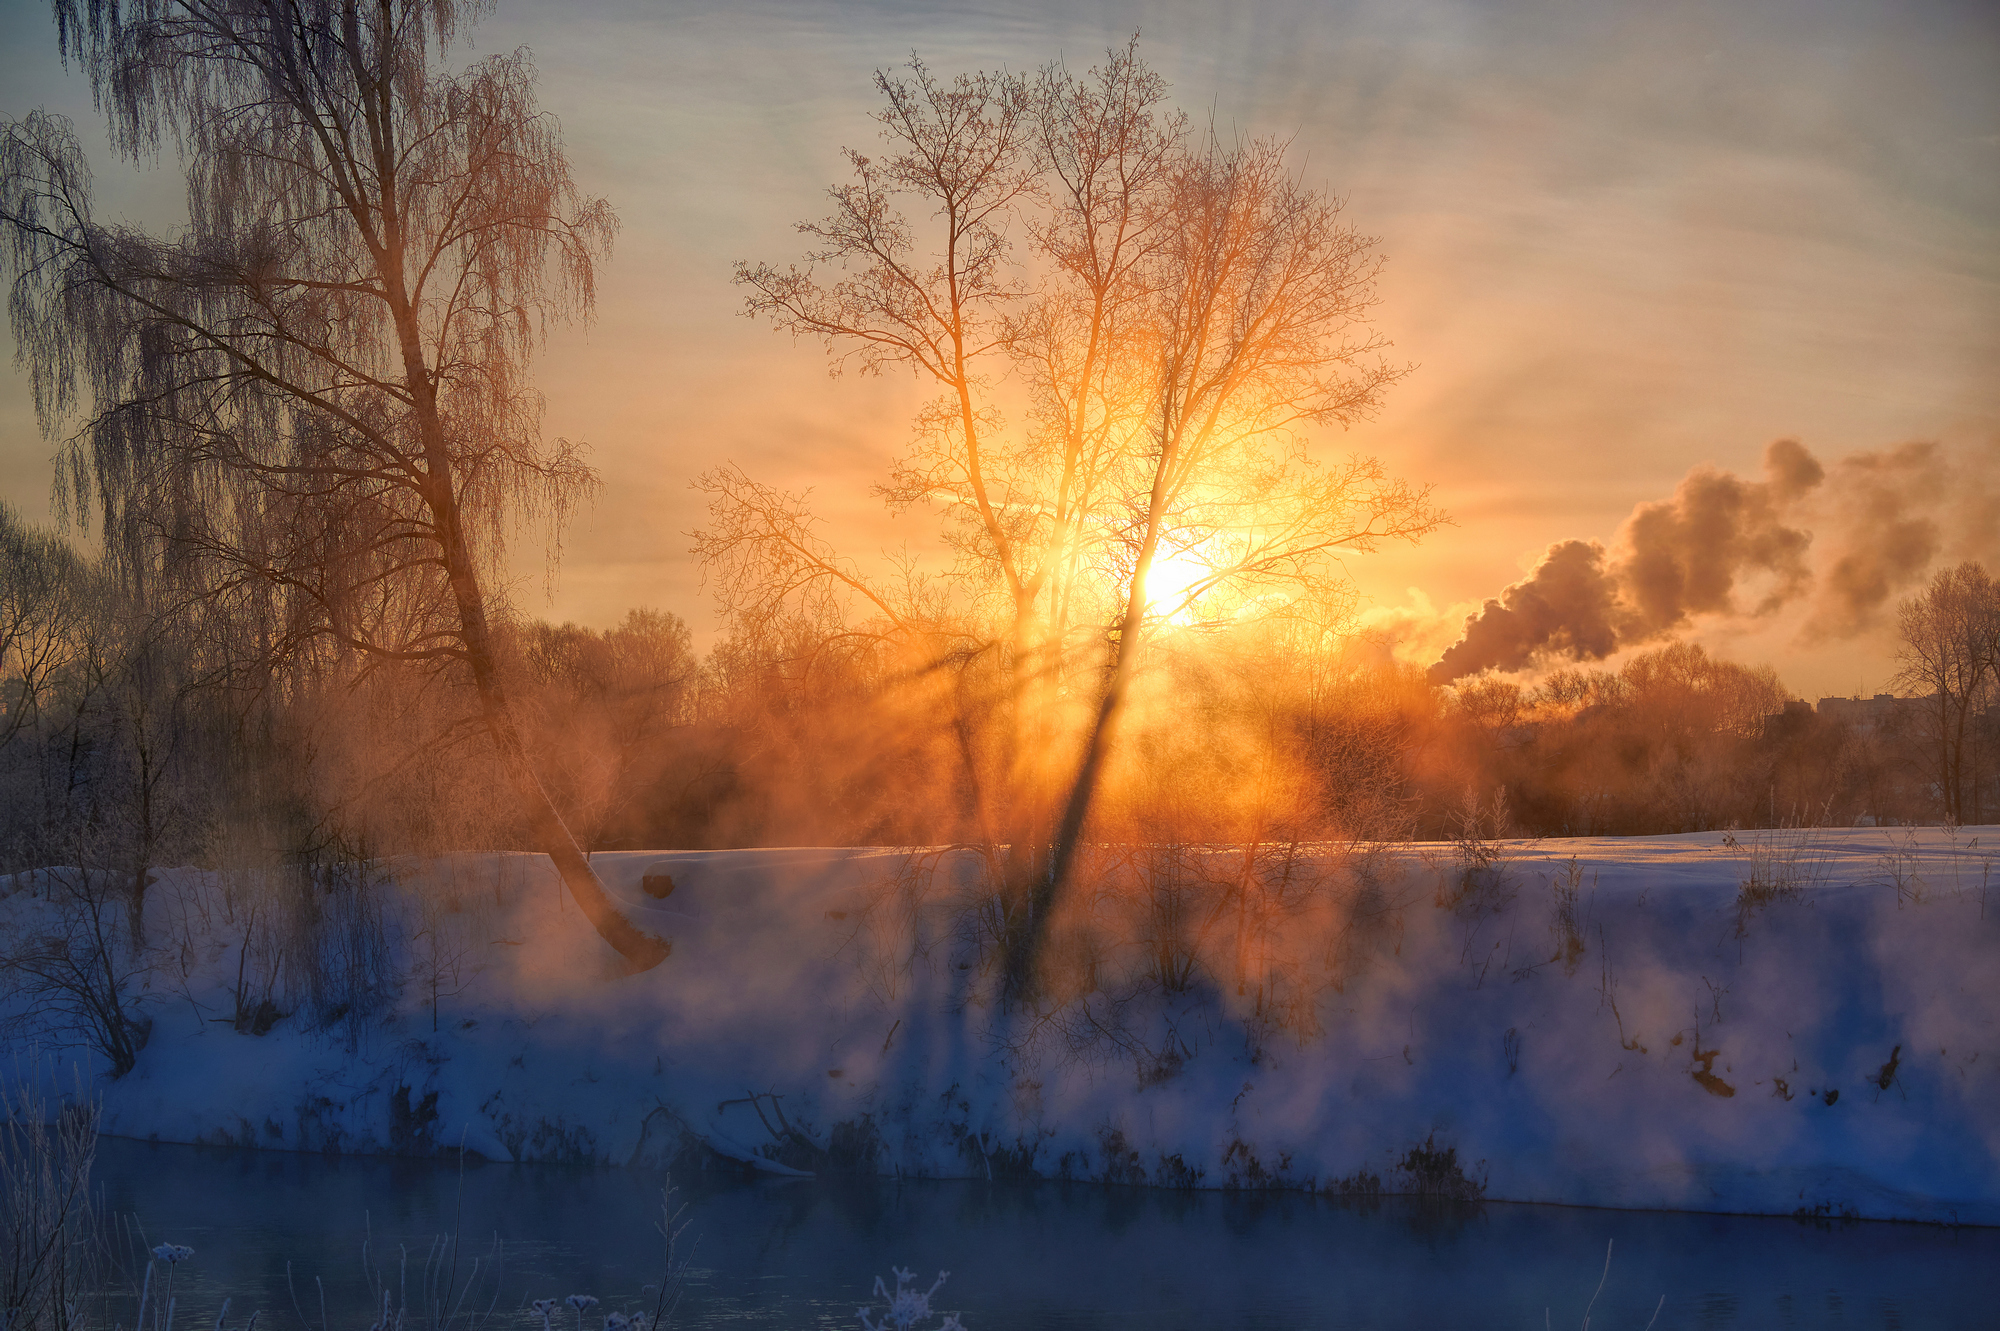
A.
x: 1022, y: 968
x: 135, y: 907
x: 642, y: 951
x: 142, y: 875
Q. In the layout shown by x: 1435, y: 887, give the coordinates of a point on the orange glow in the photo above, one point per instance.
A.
x: 1174, y: 583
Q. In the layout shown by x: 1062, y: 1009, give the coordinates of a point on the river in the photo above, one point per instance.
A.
x: 288, y: 1235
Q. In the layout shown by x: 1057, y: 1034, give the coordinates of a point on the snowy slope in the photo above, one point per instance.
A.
x: 1657, y: 1046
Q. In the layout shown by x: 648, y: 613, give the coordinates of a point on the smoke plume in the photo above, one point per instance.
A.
x: 1885, y: 537
x: 1723, y: 546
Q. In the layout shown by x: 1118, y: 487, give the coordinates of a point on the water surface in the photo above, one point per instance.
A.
x: 804, y: 1254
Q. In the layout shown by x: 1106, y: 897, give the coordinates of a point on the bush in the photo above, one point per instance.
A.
x: 72, y: 973
x: 48, y: 1237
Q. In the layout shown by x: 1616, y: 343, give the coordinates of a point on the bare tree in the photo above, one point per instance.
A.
x: 1947, y: 655
x: 1174, y: 314
x: 312, y: 404
x: 145, y: 691
x: 1077, y: 167
x: 44, y: 593
x: 109, y: 701
x: 1259, y: 326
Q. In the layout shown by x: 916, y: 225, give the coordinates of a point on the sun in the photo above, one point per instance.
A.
x: 1170, y: 581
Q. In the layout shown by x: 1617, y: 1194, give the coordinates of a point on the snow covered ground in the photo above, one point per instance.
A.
x: 1600, y: 1022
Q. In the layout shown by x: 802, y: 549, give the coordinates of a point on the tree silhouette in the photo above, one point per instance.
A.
x: 1949, y: 650
x: 1164, y: 314
x: 311, y: 405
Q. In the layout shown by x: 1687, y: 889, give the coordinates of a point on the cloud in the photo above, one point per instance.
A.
x: 1566, y: 606
x: 1844, y: 540
x: 1886, y: 534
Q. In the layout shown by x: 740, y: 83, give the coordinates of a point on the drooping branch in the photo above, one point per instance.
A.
x: 314, y: 404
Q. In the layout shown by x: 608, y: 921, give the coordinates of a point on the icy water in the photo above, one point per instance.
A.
x: 1042, y: 1256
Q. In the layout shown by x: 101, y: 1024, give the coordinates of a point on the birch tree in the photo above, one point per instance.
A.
x: 312, y: 402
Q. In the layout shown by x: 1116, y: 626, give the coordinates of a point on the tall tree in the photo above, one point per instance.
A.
x: 312, y: 403
x: 1258, y: 313
x: 1947, y: 652
x: 1045, y: 198
x: 1168, y: 315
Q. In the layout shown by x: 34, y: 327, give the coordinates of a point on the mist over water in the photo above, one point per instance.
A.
x: 1048, y: 1255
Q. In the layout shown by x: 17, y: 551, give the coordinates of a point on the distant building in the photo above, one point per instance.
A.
x: 1798, y: 715
x: 1862, y: 715
x: 1869, y: 713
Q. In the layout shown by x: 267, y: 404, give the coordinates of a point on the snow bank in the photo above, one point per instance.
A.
x: 1604, y: 1022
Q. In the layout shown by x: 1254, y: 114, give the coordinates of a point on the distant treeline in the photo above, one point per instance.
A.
x: 137, y: 735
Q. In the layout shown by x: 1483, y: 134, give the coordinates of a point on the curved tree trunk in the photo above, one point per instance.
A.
x: 642, y: 951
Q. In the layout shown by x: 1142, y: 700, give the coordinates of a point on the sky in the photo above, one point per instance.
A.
x: 1623, y: 241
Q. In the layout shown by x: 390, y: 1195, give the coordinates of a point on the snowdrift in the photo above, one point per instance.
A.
x: 1801, y: 1022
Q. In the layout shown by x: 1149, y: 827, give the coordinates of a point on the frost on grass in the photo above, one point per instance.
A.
x: 907, y: 1307
x: 159, y: 1306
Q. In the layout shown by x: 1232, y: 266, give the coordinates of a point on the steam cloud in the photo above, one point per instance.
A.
x: 1885, y: 537
x: 1726, y: 546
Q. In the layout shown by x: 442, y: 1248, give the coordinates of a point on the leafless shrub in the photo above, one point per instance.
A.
x: 1565, y: 922
x: 1956, y: 864
x: 1475, y: 882
x: 1917, y: 875
x: 71, y: 975
x: 1785, y: 863
x: 1268, y: 931
x: 1438, y: 1175
x: 447, y: 915
x: 342, y: 966
x: 926, y: 903
x: 1284, y: 895
x: 243, y: 899
x: 1174, y: 922
x: 1369, y: 915
x: 1902, y: 867
x: 48, y: 1239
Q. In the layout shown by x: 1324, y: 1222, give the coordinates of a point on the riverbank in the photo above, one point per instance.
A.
x: 1595, y: 1022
